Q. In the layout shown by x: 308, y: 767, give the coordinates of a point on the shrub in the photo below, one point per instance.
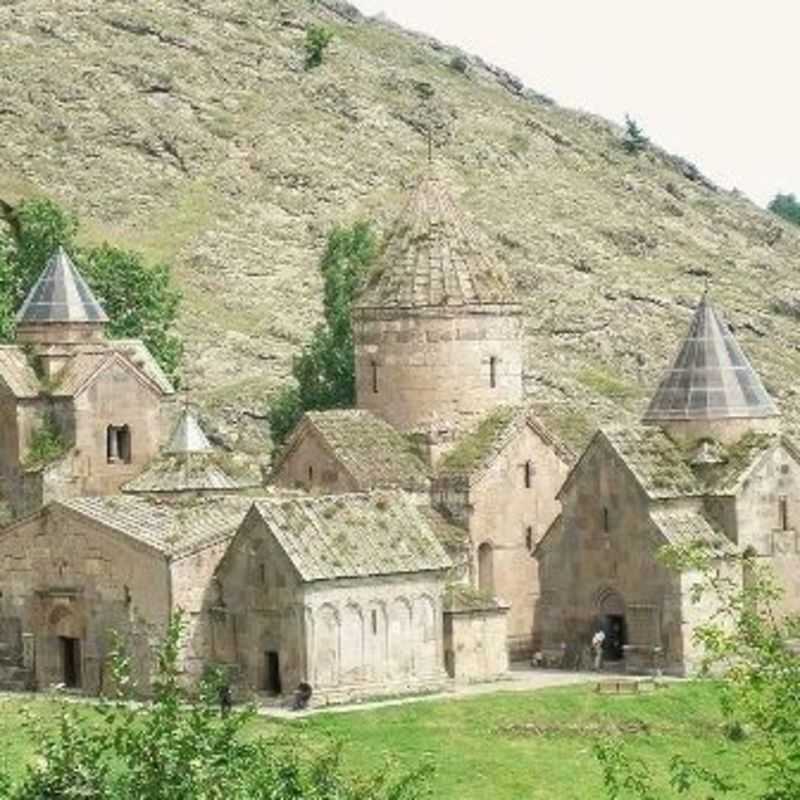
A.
x: 47, y: 444
x: 180, y: 746
x: 317, y: 40
x: 634, y: 140
x: 786, y: 206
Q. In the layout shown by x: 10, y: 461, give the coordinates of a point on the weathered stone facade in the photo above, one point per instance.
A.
x: 500, y: 485
x: 105, y: 402
x: 636, y: 490
x: 353, y: 605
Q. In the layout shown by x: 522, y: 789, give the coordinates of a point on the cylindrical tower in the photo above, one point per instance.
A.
x: 437, y: 330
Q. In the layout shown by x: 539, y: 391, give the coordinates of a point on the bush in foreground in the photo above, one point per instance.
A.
x: 180, y: 747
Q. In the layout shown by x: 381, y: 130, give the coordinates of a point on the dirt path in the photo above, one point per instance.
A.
x: 520, y: 679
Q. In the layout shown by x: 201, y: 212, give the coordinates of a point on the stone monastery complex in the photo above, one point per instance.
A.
x: 429, y: 535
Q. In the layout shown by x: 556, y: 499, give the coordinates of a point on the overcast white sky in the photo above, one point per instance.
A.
x: 716, y: 81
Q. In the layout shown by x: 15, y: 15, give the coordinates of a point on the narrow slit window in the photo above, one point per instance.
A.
x: 374, y: 622
x: 262, y: 570
x: 375, y: 377
x: 311, y: 474
x: 528, y: 474
x: 605, y: 519
x: 493, y: 372
x: 783, y: 514
x: 529, y: 537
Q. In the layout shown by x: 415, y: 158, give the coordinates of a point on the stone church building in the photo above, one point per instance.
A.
x: 707, y: 465
x: 430, y: 534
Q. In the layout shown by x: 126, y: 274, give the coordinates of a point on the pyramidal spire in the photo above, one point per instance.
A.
x: 434, y: 256
x: 60, y: 295
x: 711, y: 378
x: 188, y: 436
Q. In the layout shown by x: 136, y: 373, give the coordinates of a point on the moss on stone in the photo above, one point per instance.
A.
x: 475, y: 446
x: 462, y: 597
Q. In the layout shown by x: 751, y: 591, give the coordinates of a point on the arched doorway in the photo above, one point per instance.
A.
x: 611, y: 620
x: 486, y: 568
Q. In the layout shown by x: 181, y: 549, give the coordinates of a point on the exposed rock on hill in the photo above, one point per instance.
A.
x: 192, y: 131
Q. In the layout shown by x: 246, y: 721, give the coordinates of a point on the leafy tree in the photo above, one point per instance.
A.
x: 139, y: 299
x: 786, y: 206
x: 634, y: 140
x: 325, y: 370
x: 751, y: 646
x: 179, y: 747
x: 317, y: 40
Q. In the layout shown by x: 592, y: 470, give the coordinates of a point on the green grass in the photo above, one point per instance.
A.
x: 485, y: 747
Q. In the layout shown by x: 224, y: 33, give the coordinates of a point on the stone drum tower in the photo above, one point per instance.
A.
x: 437, y: 329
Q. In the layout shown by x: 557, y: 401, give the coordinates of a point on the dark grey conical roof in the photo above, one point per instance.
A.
x: 60, y: 295
x: 711, y: 377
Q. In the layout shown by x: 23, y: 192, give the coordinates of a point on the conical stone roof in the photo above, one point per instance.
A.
x: 188, y: 436
x: 711, y: 377
x: 60, y: 295
x: 434, y: 256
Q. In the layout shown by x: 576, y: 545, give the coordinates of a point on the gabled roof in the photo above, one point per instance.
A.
x: 17, y: 373
x: 663, y: 469
x: 372, y: 451
x: 353, y: 535
x: 685, y: 526
x: 434, y: 257
x: 711, y: 377
x: 189, y: 464
x: 478, y: 448
x: 60, y: 295
x: 176, y: 530
x: 88, y: 363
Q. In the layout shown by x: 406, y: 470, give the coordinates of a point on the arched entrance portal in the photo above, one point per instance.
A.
x: 611, y: 620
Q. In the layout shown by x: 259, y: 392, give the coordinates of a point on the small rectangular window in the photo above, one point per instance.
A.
x: 605, y: 519
x: 493, y: 372
x: 783, y: 514
x: 118, y: 444
x: 374, y: 377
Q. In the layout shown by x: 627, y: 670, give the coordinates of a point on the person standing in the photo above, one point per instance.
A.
x: 597, y: 647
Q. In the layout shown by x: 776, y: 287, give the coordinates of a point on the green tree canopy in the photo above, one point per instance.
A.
x: 786, y: 206
x: 140, y: 300
x: 324, y: 373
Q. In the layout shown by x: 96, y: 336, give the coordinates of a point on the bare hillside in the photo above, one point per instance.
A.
x: 190, y: 130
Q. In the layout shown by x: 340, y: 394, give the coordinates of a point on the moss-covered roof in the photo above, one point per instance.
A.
x: 372, y: 451
x: 434, y: 256
x: 463, y: 597
x: 665, y: 469
x: 479, y: 445
x: 683, y: 526
x: 175, y: 529
x: 353, y: 535
x: 477, y: 448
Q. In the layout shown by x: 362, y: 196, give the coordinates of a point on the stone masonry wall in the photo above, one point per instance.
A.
x: 63, y: 576
x: 311, y: 466
x: 433, y: 369
x: 475, y: 644
x: 586, y: 571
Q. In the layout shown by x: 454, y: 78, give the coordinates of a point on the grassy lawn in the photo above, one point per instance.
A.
x: 503, y: 746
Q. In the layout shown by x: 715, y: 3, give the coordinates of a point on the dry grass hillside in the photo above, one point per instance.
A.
x: 189, y: 129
